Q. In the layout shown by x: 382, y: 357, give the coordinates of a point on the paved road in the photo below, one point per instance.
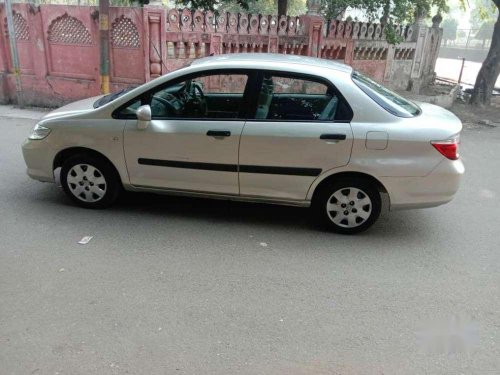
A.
x: 184, y: 286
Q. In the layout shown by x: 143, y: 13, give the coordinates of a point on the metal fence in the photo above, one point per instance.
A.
x: 468, y: 38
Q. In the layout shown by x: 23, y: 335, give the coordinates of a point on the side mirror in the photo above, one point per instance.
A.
x: 143, y: 116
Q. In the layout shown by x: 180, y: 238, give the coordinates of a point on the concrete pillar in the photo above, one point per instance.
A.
x: 313, y: 7
x: 420, y: 33
x: 435, y: 43
x: 313, y: 28
x: 155, y: 50
x: 4, y: 68
x: 37, y: 38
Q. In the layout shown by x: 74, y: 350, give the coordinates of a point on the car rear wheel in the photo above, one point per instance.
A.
x: 347, y: 206
x: 89, y: 181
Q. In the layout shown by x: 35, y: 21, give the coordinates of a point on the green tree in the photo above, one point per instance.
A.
x: 450, y: 26
x: 295, y: 7
x: 481, y: 11
x: 389, y: 12
x: 213, y: 5
x: 485, y: 31
x: 331, y: 9
x: 401, y: 10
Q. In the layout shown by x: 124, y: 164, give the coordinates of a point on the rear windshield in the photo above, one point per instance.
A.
x: 387, y: 99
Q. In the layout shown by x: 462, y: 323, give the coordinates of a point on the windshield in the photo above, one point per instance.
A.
x: 387, y: 99
x: 110, y: 97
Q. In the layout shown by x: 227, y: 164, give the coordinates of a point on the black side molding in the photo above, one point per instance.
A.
x: 189, y: 165
x: 337, y: 137
x: 289, y: 171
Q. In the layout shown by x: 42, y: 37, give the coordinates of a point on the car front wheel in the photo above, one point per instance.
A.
x: 347, y: 206
x: 89, y: 181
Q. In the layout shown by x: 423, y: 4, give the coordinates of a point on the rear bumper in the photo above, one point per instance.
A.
x: 437, y: 188
x: 38, y: 157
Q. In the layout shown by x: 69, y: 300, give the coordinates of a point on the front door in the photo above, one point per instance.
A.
x: 193, y: 139
x: 301, y: 129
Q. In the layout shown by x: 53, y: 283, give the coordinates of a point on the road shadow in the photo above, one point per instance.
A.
x: 214, y: 210
x: 403, y: 224
x: 201, y: 211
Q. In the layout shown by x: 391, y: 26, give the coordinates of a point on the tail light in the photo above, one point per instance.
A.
x: 448, y: 147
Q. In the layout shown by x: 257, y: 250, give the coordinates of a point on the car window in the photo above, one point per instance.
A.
x: 207, y: 96
x: 129, y: 110
x: 289, y: 85
x: 295, y: 98
x: 387, y: 99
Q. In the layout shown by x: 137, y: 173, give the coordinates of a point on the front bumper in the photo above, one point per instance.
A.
x: 39, y: 158
x: 437, y: 188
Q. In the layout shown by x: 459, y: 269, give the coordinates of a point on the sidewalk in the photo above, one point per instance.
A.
x: 28, y: 113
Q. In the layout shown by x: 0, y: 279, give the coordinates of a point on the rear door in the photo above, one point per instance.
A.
x: 301, y: 129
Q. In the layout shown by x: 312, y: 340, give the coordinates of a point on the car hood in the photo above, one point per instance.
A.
x: 80, y: 106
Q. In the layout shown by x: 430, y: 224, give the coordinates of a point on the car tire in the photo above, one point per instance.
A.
x: 347, y: 205
x: 90, y: 181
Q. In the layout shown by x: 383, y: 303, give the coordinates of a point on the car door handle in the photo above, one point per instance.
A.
x: 218, y: 133
x: 336, y: 137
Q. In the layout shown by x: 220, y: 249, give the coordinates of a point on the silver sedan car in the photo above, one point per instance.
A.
x: 269, y: 128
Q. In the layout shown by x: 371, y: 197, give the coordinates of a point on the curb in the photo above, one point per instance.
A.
x: 10, y: 111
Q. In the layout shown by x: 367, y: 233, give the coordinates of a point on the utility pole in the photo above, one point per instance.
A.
x: 461, y: 71
x: 104, y: 44
x: 13, y: 52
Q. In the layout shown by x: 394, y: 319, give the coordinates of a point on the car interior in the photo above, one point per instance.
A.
x: 308, y: 101
x: 276, y: 101
x: 191, y: 99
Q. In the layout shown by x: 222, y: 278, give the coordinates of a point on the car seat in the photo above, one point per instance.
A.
x: 330, y: 109
x: 265, y: 98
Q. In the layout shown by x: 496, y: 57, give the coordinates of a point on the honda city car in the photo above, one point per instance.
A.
x: 270, y: 128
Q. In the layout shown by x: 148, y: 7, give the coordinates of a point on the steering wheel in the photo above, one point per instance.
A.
x: 168, y: 104
x: 197, y: 97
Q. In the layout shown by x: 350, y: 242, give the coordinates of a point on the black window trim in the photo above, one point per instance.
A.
x: 305, y: 76
x: 246, y: 107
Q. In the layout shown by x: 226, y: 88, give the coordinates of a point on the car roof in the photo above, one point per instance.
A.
x: 260, y: 59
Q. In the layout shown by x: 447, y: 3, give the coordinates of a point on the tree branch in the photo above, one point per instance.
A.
x: 342, y: 11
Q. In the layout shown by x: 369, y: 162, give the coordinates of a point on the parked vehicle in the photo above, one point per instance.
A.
x: 269, y: 128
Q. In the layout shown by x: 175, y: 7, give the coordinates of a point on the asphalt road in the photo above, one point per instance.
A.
x: 187, y: 286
